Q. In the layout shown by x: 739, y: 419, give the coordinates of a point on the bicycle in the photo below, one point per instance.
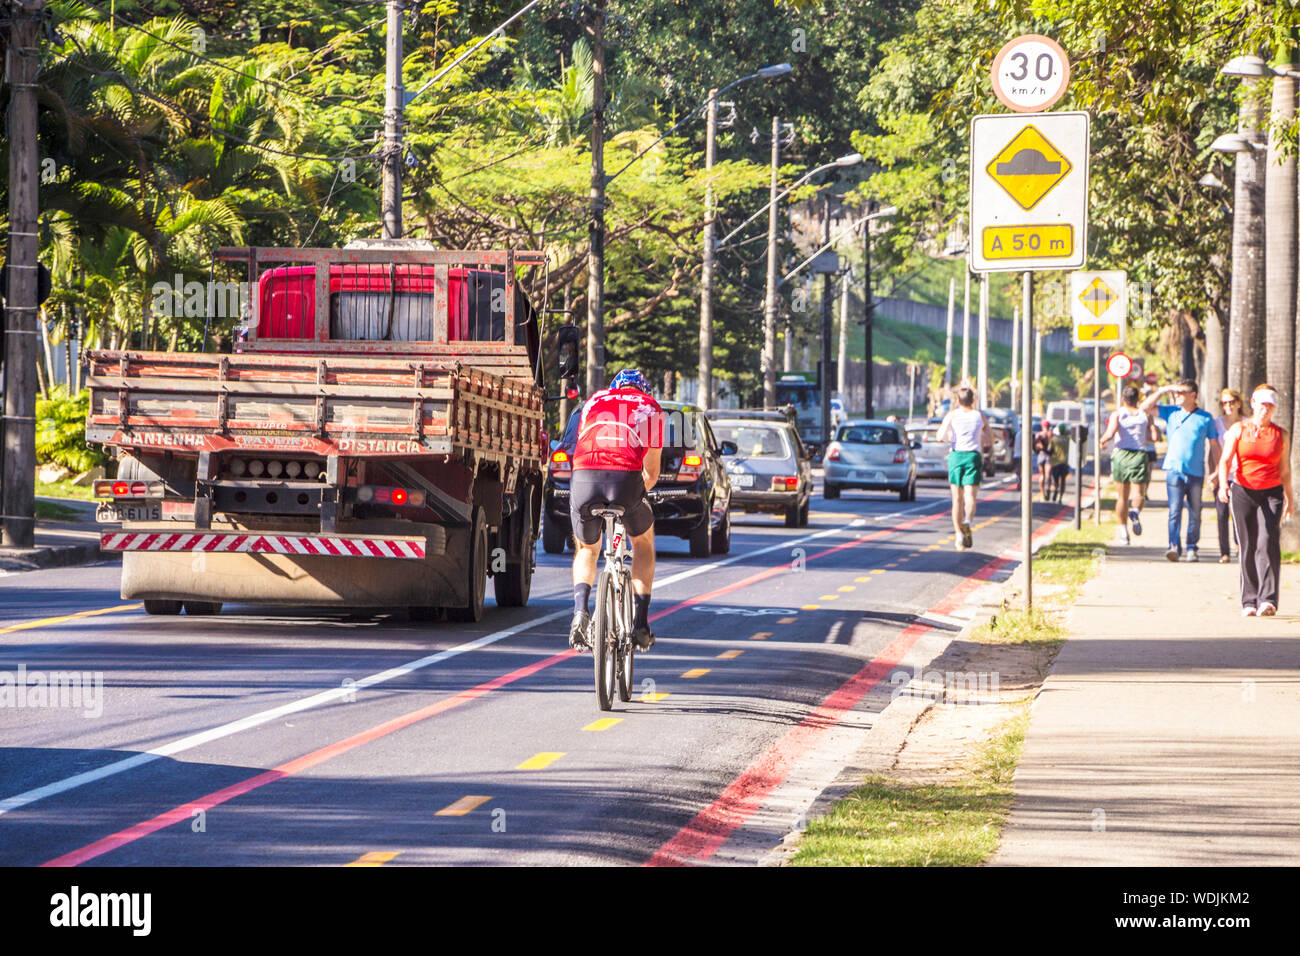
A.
x: 611, y: 627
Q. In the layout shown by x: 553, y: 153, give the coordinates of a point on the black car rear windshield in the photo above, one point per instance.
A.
x: 868, y: 435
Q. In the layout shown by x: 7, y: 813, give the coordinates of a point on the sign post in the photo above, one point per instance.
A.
x: 1029, y: 203
x: 1099, y: 310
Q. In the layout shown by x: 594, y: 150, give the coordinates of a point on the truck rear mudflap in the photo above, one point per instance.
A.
x: 268, y: 567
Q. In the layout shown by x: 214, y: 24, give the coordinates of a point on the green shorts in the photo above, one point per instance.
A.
x: 965, y: 468
x: 1131, y: 465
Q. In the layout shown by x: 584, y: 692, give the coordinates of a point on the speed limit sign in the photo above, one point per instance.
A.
x: 1030, y: 73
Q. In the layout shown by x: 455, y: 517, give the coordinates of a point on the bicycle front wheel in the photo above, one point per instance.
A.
x: 603, y: 652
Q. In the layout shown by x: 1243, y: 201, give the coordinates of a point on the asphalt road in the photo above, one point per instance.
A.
x: 301, y: 737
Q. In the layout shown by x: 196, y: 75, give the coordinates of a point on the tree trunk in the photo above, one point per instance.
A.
x: 1280, y: 241
x: 1246, y: 331
x: 1187, y: 325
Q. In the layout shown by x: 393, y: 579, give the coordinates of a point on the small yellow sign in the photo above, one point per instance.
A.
x: 1028, y: 167
x: 1047, y: 241
x: 1101, y: 332
x: 1097, y: 297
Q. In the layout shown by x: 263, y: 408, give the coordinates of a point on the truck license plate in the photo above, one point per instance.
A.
x: 110, y: 511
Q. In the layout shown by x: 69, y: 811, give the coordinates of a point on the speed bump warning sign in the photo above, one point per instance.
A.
x: 1099, y: 304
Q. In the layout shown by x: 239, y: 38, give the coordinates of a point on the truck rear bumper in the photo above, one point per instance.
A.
x: 260, y: 574
x: 315, y: 545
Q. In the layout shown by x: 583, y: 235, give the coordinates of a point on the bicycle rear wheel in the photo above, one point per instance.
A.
x: 603, y: 652
x: 625, y: 646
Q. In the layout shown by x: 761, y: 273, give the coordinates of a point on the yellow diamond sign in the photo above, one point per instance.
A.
x: 1028, y: 167
x: 1097, y: 297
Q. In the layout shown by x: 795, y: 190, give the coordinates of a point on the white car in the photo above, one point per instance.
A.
x: 838, y: 415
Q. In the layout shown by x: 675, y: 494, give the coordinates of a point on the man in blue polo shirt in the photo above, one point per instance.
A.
x: 1188, y: 432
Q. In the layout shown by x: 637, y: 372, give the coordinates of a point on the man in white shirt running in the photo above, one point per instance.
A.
x: 966, y: 428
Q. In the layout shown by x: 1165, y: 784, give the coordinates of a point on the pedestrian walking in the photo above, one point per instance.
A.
x: 1043, y: 456
x: 1130, y: 468
x: 1260, y: 457
x: 966, y: 428
x: 1017, y: 452
x: 1232, y: 404
x: 1189, y: 435
x: 1059, y: 461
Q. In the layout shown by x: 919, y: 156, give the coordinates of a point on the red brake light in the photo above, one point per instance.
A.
x: 692, y: 461
x: 559, y: 457
x: 792, y: 483
x: 382, y: 495
x: 121, y: 488
x: 833, y: 453
x: 571, y: 394
x: 139, y: 488
x: 399, y: 496
x: 900, y: 456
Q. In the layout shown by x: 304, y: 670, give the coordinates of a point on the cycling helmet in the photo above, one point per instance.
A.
x: 631, y: 378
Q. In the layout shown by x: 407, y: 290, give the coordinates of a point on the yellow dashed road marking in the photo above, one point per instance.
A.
x: 810, y: 607
x: 787, y: 620
x: 761, y: 636
x: 847, y: 587
x: 730, y: 655
x: 541, y: 760
x: 48, y: 621
x: 604, y: 723
x: 862, y: 580
x: 653, y: 698
x: 374, y: 858
x: 462, y: 806
x: 829, y: 597
x: 878, y: 571
x: 695, y: 672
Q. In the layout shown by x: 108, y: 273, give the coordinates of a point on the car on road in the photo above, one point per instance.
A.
x: 1002, y: 456
x: 771, y: 471
x: 691, y: 499
x: 872, y: 455
x: 931, y: 455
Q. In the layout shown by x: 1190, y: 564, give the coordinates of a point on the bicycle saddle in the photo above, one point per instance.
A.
x: 600, y: 511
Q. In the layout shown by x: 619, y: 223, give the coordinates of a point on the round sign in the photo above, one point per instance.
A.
x: 1152, y: 378
x: 1030, y: 73
x: 1119, y: 365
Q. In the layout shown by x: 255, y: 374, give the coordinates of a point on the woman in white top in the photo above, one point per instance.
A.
x: 1232, y: 404
x: 969, y: 434
x: 1130, y: 468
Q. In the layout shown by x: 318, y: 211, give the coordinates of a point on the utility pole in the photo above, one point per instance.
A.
x: 841, y: 371
x: 965, y: 335
x: 596, y: 232
x: 393, y: 123
x: 868, y: 308
x: 769, y: 301
x: 18, y: 480
x: 983, y: 358
x: 704, y: 398
x: 1015, y: 353
x: 1038, y: 357
x: 947, y: 345
x: 825, y: 378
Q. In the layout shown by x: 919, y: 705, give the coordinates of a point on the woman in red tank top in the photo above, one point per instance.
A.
x: 1261, y: 499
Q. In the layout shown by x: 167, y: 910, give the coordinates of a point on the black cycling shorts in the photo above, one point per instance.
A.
x: 588, y: 489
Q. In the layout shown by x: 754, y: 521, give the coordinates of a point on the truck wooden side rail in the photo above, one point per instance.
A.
x: 315, y: 467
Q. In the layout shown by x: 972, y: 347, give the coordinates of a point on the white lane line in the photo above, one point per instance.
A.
x: 325, y: 697
x: 256, y: 720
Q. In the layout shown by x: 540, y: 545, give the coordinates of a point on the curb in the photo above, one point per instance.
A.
x: 17, y: 560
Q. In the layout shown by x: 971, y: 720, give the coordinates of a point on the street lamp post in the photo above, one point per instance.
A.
x: 704, y: 394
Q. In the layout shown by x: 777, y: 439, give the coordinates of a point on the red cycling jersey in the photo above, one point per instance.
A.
x: 617, y: 427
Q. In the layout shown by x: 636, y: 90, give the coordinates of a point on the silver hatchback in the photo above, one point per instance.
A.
x: 873, y: 455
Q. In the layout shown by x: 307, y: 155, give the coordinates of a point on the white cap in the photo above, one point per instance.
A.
x: 1264, y: 396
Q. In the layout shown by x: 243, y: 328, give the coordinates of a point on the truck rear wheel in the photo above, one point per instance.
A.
x: 513, y: 585
x: 202, y: 608
x: 476, y: 572
x: 156, y: 606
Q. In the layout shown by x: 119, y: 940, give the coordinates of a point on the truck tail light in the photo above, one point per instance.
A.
x: 833, y: 452
x: 397, y: 497
x: 130, y: 489
x: 785, y: 482
x: 689, y: 470
x: 900, y: 456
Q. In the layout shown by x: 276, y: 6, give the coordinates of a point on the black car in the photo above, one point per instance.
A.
x: 690, y: 500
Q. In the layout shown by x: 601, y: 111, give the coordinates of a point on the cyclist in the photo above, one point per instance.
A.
x: 616, y: 461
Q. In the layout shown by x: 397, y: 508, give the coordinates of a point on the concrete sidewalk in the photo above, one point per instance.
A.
x: 59, y: 543
x: 1166, y: 733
